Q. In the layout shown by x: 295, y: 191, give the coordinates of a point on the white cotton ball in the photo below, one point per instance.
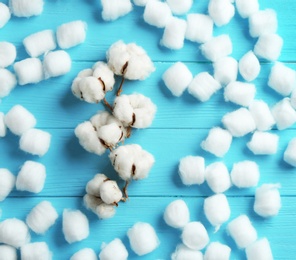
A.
x: 75, y: 225
x: 14, y: 232
x: 7, y: 253
x: 25, y: 8
x: 93, y: 186
x: 176, y: 214
x: 177, y: 78
x: 245, y: 174
x: 249, y: 66
x: 290, y: 153
x: 88, y: 72
x: 216, y: 250
x: 28, y: 71
x: 115, y: 250
x: 7, y: 53
x: 239, y: 122
x: 203, y: 86
x: 267, y: 200
x: 7, y: 182
x: 242, y: 231
x: 36, y: 251
x: 263, y: 143
x: 240, y: 93
x: 2, y: 125
x: 157, y: 13
x: 192, y: 170
x: 4, y: 14
x: 84, y: 254
x: 39, y: 43
x: 263, y: 22
x: 217, y: 47
x: 18, y: 119
x: 246, y: 8
x: 225, y: 70
x: 91, y: 89
x: 103, y: 73
x: 284, y: 114
x: 282, y: 79
x: 217, y: 177
x: 113, y: 9
x: 269, y: 47
x: 7, y: 82
x: 35, y: 141
x: 293, y: 98
x: 71, y: 34
x: 199, y: 28
x: 31, y: 177
x: 180, y: 7
x: 195, y: 236
x: 259, y: 250
x: 141, y: 2
x: 42, y: 217
x: 262, y: 115
x: 221, y: 11
x: 182, y: 252
x: 110, y: 192
x: 143, y: 238
x: 110, y: 135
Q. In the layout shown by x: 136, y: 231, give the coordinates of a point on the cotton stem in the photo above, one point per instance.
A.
x: 107, y: 105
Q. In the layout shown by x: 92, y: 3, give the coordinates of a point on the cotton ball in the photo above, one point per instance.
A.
x: 225, y: 70
x: 216, y: 250
x: 7, y: 182
x: 176, y: 214
x: 217, y: 47
x: 2, y: 125
x: 110, y: 192
x: 293, y: 98
x: 91, y: 89
x: 31, y: 177
x: 262, y: 115
x: 245, y: 174
x: 28, y: 71
x: 290, y: 153
x: 180, y: 7
x: 7, y: 253
x: 199, y: 28
x: 240, y: 93
x: 239, y: 122
x: 182, y: 252
x: 93, y: 186
x: 71, y: 34
x: 242, y: 231
x: 36, y: 251
x: 85, y: 253
x: 203, y: 86
x: 269, y: 47
x: 7, y: 53
x: 221, y: 11
x: 24, y: 8
x: 249, y: 66
x: 246, y: 8
x: 174, y: 34
x: 263, y: 143
x: 177, y: 78
x: 141, y: 2
x: 259, y: 250
x: 217, y: 177
x: 195, y: 236
x: 113, y: 9
x: 192, y: 170
x: 14, y: 232
x: 284, y: 114
x: 103, y: 73
x: 115, y: 250
x: 7, y: 82
x: 42, y: 217
x: 4, y: 14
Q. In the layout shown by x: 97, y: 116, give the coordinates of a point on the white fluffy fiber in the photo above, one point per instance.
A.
x: 182, y: 252
x: 246, y: 8
x: 177, y: 214
x: 217, y: 142
x: 31, y: 177
x: 225, y: 70
x: 259, y: 250
x: 217, y: 47
x: 110, y: 135
x: 157, y: 13
x: 14, y: 232
x: 216, y: 250
x: 217, y: 177
x: 203, y: 86
x: 4, y: 15
x: 113, y: 9
x: 180, y: 7
x: 143, y: 238
x: 29, y: 71
x: 242, y: 231
x: 7, y: 82
x: 192, y: 170
x: 75, y: 225
x: 7, y: 182
x: 7, y: 253
x: 195, y: 236
x: 221, y: 11
x: 290, y: 153
x: 42, y: 217
x: 93, y: 186
x: 245, y: 174
x: 263, y: 143
x: 2, y: 125
x: 36, y: 251
x: 110, y: 192
x: 249, y: 66
x: 284, y: 114
x: 102, y: 72
x: 71, y: 34
x: 84, y: 254
x: 7, y: 54
x: 141, y: 2
x: 115, y: 250
x: 24, y: 8
x: 262, y: 115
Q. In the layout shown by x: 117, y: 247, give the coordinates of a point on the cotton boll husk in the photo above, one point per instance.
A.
x: 7, y: 182
x: 14, y: 232
x: 239, y: 122
x: 92, y: 89
x: 113, y: 9
x: 24, y: 8
x: 174, y: 33
x: 203, y: 86
x: 245, y: 174
x: 263, y: 143
x: 2, y: 125
x: 93, y: 186
x: 157, y: 13
x: 7, y: 53
x: 36, y: 251
x: 115, y: 250
x: 259, y: 250
x: 192, y: 170
x: 177, y: 78
x: 143, y: 238
x: 7, y: 82
x: 216, y: 250
x: 7, y: 253
x: 249, y: 66
x: 103, y: 72
x: 221, y: 11
x: 290, y: 153
x: 84, y: 254
x: 110, y: 192
x: 182, y: 252
x: 240, y: 93
x: 225, y: 70
x: 177, y: 214
x: 262, y: 115
x: 246, y: 8
x: 71, y: 34
x: 180, y: 7
x: 4, y: 15
x: 217, y: 177
x: 195, y: 236
x: 110, y: 135
x: 284, y: 114
x: 29, y: 71
x: 242, y: 231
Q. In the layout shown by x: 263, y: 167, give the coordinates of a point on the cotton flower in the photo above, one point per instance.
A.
x: 195, y: 236
x: 110, y: 192
x: 7, y: 82
x: 4, y: 15
x: 7, y: 182
x: 192, y: 170
x: 85, y: 253
x: 24, y: 8
x: 176, y: 214
x: 93, y: 186
x: 7, y: 252
x: 7, y: 53
x: 102, y: 72
x: 114, y: 250
x: 157, y: 13
x: 35, y: 251
x: 182, y: 252
x: 113, y: 9
x: 29, y: 71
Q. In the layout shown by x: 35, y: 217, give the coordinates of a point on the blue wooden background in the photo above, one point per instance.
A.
x: 179, y: 127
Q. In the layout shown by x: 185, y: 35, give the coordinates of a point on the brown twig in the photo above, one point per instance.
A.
x: 120, y: 87
x: 125, y: 190
x: 107, y: 105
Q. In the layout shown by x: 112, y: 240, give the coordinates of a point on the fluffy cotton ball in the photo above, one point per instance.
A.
x: 7, y: 53
x: 31, y: 177
x: 263, y: 143
x: 36, y: 251
x: 192, y: 170
x: 29, y: 71
x: 195, y: 236
x: 262, y: 115
x: 86, y: 254
x: 7, y: 182
x: 110, y: 192
x: 113, y: 9
x: 93, y: 186
x: 182, y: 252
x: 4, y: 14
x: 284, y: 114
x: 7, y: 253
x: 114, y: 250
x: 7, y: 82
x: 2, y: 125
x: 176, y: 214
x: 180, y: 7
x: 249, y: 66
x: 42, y: 217
x: 217, y: 47
x: 217, y: 177
x: 24, y: 8
x: 245, y: 174
x: 110, y: 135
x: 293, y: 98
x: 216, y: 250
x: 89, y: 89
x: 225, y: 70
x: 75, y: 225
x: 242, y: 231
x: 141, y: 2
x: 290, y: 153
x: 102, y: 72
x: 71, y: 34
x: 259, y: 250
x: 221, y: 11
x: 246, y: 8
x: 14, y: 232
